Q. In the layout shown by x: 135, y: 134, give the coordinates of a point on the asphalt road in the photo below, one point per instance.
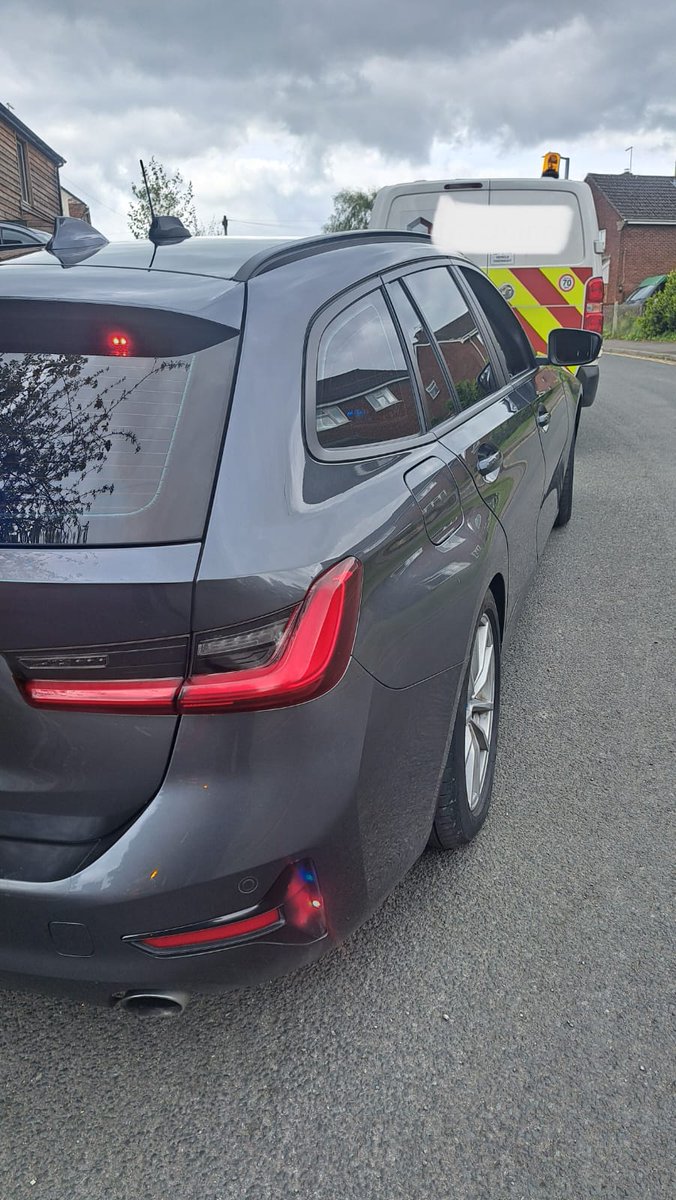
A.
x: 501, y: 1027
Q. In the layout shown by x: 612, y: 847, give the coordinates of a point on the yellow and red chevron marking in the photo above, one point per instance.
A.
x: 540, y: 302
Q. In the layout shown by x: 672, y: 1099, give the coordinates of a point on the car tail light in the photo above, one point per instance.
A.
x: 290, y: 658
x: 309, y: 657
x: 105, y: 695
x: 293, y: 911
x: 593, y: 305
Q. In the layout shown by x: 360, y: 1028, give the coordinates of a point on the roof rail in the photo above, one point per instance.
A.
x: 274, y: 257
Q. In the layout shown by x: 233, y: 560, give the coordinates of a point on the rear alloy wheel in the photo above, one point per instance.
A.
x: 467, y: 781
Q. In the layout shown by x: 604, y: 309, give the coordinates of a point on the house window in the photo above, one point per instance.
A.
x: 24, y: 177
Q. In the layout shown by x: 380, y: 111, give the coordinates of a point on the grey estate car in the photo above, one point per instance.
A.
x: 267, y: 510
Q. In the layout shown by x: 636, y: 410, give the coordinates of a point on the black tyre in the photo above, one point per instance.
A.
x: 467, y: 781
x: 566, y: 502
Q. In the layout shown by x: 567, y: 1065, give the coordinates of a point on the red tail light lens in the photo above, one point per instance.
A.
x: 294, y: 657
x: 311, y: 656
x: 104, y: 695
x: 595, y: 290
x: 593, y: 305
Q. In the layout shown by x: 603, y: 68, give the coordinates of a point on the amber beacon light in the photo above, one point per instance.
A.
x: 551, y: 165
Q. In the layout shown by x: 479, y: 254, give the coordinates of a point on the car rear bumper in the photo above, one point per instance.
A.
x: 348, y: 781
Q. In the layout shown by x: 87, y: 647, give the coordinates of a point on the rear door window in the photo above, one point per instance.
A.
x: 457, y: 335
x: 109, y: 448
x: 364, y: 392
x: 438, y: 400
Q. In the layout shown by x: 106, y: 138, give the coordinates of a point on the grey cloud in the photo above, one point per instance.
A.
x: 178, y: 79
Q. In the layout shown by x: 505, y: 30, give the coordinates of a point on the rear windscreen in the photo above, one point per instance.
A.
x: 113, y: 448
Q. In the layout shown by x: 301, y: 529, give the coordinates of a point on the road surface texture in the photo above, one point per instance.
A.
x: 500, y: 1029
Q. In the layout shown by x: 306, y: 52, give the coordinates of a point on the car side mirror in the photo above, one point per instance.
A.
x: 572, y: 347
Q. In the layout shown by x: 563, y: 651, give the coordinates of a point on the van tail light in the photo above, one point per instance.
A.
x: 593, y: 305
x: 292, y: 912
x: 291, y: 658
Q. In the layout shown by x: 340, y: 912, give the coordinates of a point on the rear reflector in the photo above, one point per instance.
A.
x: 293, y: 910
x: 299, y: 656
x: 213, y: 934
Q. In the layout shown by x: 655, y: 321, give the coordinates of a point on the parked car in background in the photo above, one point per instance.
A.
x: 647, y: 287
x: 18, y: 239
x: 268, y: 512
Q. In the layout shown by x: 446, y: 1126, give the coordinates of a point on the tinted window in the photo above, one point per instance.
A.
x: 438, y: 401
x: 508, y: 333
x: 109, y: 449
x: 462, y: 347
x: 16, y: 237
x: 364, y: 390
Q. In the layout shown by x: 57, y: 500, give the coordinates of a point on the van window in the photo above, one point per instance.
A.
x: 516, y: 351
x: 462, y: 347
x: 415, y: 211
x: 438, y: 400
x: 364, y: 390
x: 521, y: 226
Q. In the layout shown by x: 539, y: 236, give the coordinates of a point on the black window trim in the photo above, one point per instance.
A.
x: 317, y: 327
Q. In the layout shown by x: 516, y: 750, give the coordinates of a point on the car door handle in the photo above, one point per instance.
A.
x: 488, y: 461
x: 543, y: 417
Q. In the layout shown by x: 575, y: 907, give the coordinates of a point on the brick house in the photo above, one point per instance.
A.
x: 638, y: 213
x: 30, y: 191
x: 73, y: 206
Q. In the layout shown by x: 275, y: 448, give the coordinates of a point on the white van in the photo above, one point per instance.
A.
x: 537, y: 239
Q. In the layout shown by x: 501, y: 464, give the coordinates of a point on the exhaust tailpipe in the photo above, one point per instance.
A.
x: 154, y: 1004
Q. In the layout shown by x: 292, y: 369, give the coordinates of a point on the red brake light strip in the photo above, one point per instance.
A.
x: 311, y: 658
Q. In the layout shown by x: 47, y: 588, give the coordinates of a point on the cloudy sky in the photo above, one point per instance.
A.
x: 271, y: 106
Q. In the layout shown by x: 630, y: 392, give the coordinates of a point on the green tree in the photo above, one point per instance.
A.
x: 171, y: 197
x: 659, y: 316
x: 351, y: 210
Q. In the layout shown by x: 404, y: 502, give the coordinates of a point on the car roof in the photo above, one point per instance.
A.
x: 238, y: 259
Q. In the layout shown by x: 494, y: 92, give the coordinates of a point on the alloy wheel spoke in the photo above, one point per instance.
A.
x: 476, y: 771
x: 480, y: 709
x: 481, y: 735
x: 482, y: 678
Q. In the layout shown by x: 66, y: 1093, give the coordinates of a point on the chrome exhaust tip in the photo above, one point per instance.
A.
x: 154, y: 1004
